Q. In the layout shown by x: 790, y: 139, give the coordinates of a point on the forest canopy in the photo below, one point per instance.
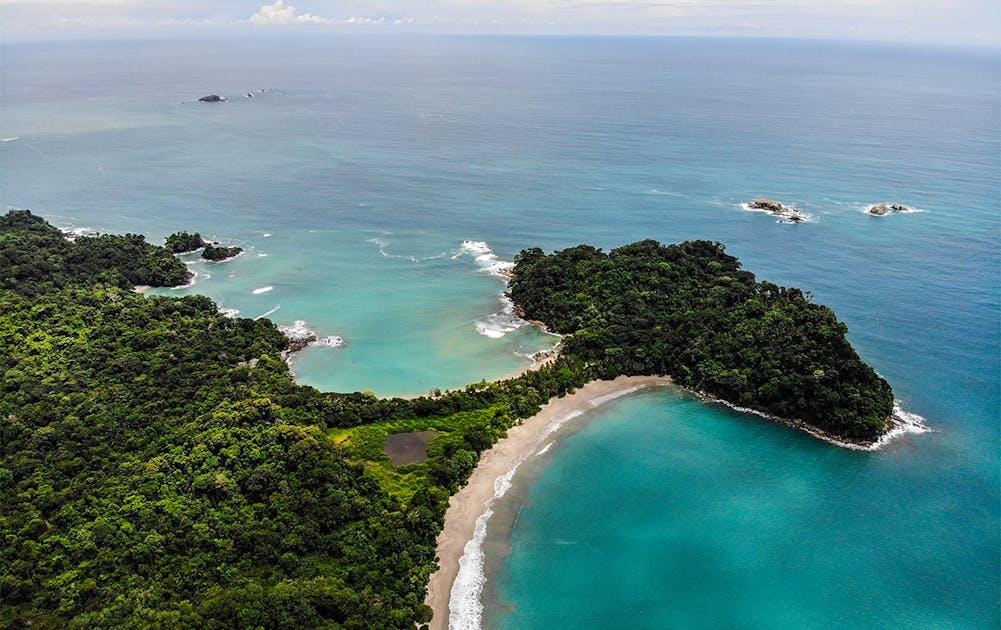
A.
x: 160, y: 468
x: 690, y: 311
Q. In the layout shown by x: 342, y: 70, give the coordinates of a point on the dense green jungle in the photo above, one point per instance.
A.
x: 160, y: 468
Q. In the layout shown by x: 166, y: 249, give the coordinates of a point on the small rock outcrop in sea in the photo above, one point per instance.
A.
x: 787, y: 214
x: 300, y: 336
x: 767, y: 204
x: 296, y: 344
x: 212, y: 98
x: 216, y: 253
x: 882, y: 209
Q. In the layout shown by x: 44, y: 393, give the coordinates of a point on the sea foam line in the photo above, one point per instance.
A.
x: 904, y: 422
x: 383, y: 244
x: 465, y: 608
x: 271, y: 312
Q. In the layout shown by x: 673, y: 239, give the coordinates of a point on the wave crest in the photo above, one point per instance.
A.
x: 502, y: 322
x: 485, y: 258
x: 465, y: 610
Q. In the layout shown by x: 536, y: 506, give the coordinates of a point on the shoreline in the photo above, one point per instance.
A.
x: 524, y: 440
x: 470, y: 508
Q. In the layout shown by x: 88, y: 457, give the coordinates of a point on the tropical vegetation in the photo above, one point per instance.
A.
x: 160, y: 468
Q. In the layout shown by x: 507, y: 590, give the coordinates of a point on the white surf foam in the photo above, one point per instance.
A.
x: 12, y: 139
x: 485, y: 257
x: 72, y: 233
x: 559, y: 422
x: 498, y: 324
x: 465, y: 610
x: 262, y: 290
x: 229, y: 312
x: 600, y: 400
x: 867, y: 209
x: 333, y: 341
x: 222, y: 260
x: 300, y: 331
x: 383, y: 244
x: 785, y: 215
x: 904, y: 422
x: 191, y: 280
x: 502, y: 322
x: 271, y: 312
x: 665, y: 193
x: 297, y: 331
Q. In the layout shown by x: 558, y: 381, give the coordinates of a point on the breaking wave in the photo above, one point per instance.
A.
x: 502, y: 322
x: 485, y: 258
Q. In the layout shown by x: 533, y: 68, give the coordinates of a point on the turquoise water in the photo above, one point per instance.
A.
x: 369, y: 161
x: 737, y: 524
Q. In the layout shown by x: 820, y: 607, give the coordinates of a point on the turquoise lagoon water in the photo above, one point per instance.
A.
x: 378, y: 181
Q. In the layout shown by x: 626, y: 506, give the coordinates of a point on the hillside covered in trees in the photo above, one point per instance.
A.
x: 691, y: 312
x: 160, y: 468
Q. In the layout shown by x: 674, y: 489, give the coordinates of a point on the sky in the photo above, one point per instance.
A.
x: 973, y: 22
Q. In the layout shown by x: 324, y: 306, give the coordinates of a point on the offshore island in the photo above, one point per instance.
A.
x: 160, y: 467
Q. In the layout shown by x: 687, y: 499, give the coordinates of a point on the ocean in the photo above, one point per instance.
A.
x: 377, y: 183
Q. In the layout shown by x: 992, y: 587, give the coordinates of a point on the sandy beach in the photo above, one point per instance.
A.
x: 521, y: 442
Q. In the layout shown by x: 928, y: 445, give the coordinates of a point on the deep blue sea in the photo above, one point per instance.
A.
x: 376, y: 182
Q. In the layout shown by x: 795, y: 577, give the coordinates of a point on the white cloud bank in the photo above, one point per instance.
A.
x: 281, y: 13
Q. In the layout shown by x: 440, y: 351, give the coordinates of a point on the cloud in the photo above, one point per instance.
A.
x: 281, y: 13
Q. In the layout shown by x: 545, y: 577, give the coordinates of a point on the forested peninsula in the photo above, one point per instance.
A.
x: 160, y: 468
x: 690, y: 311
